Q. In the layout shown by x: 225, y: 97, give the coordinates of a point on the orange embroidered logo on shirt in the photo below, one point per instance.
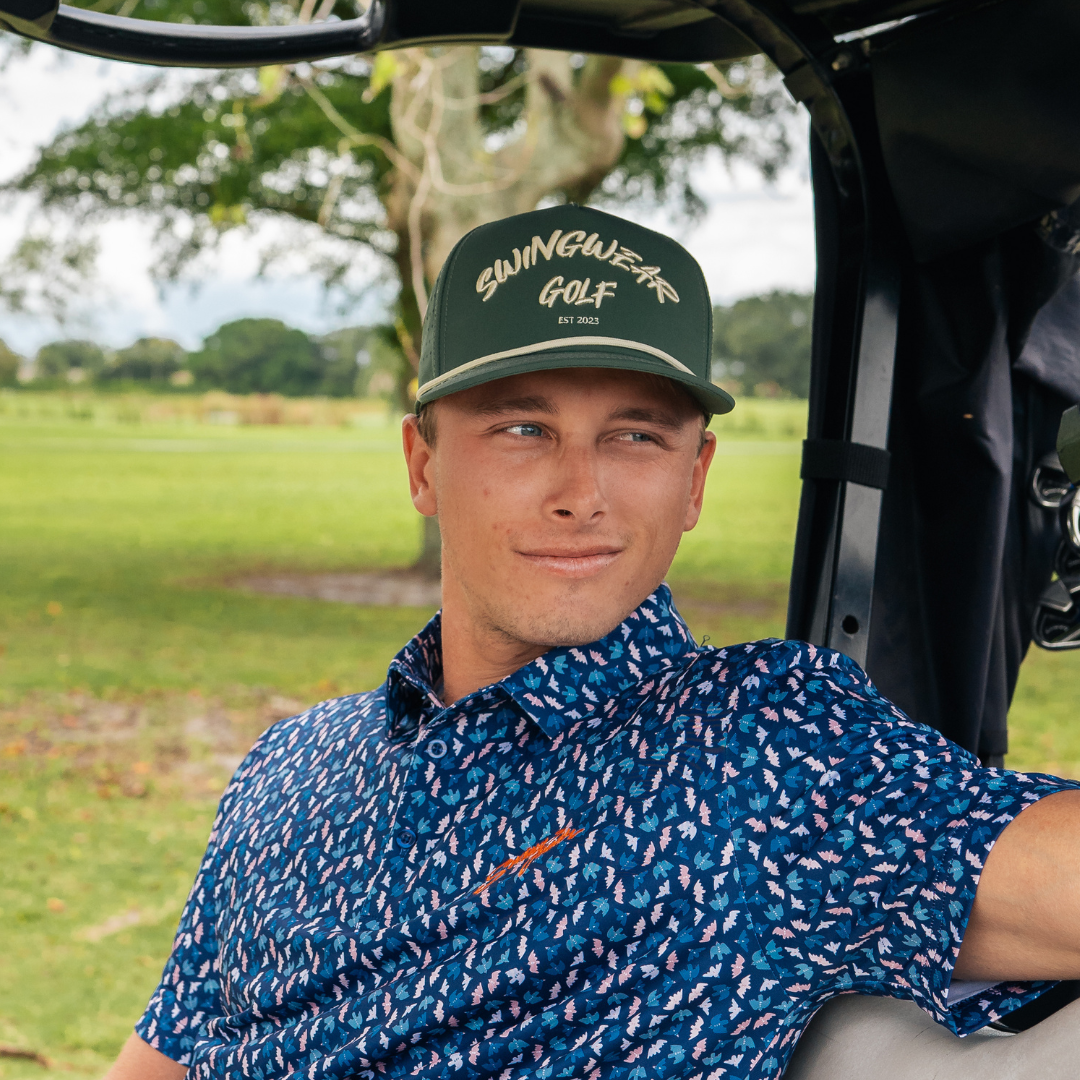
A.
x: 522, y: 862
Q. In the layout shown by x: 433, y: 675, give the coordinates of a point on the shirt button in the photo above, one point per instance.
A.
x: 436, y: 748
x: 406, y: 838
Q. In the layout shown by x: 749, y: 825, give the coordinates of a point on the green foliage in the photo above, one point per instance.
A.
x: 348, y: 362
x: 261, y: 356
x: 761, y: 344
x: 746, y: 121
x: 219, y: 155
x: 235, y: 145
x: 63, y: 359
x: 151, y: 361
x: 9, y: 365
x: 43, y: 273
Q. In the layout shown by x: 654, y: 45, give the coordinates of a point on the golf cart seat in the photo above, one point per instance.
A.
x: 867, y: 1038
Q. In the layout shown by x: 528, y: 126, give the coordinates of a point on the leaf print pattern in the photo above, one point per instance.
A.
x: 640, y: 858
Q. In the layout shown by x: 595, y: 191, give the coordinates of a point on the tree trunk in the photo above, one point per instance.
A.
x: 448, y: 180
x: 429, y: 562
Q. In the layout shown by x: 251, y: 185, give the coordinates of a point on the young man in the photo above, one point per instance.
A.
x: 563, y: 839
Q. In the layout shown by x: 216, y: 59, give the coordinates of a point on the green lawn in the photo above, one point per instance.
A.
x: 132, y: 676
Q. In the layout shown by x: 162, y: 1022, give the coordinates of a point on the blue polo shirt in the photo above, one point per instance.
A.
x: 637, y: 858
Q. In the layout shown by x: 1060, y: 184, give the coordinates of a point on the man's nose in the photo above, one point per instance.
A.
x: 576, y: 490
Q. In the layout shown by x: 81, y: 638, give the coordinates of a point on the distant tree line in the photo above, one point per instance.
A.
x: 761, y: 345
x: 246, y: 356
x: 761, y: 348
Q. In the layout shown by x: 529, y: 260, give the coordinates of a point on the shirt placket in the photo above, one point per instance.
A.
x: 429, y: 761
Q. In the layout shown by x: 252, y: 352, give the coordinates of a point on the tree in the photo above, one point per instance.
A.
x: 149, y: 360
x: 402, y: 154
x: 347, y: 355
x: 73, y: 361
x: 259, y: 356
x: 763, y: 344
x: 9, y: 365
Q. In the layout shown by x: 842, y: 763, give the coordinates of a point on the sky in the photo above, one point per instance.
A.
x: 755, y: 236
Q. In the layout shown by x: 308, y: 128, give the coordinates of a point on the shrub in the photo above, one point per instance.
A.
x: 259, y: 356
x: 149, y: 360
x: 73, y: 361
x: 763, y: 342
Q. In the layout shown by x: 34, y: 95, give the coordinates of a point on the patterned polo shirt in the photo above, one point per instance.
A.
x: 638, y: 858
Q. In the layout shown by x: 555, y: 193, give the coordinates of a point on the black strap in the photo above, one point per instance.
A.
x: 833, y: 459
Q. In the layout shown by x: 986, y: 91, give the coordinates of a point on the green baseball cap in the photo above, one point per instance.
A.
x: 567, y: 287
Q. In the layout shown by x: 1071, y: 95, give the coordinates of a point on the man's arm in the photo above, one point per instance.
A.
x: 140, y: 1061
x: 1025, y: 923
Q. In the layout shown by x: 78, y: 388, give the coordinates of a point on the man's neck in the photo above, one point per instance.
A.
x: 474, y: 656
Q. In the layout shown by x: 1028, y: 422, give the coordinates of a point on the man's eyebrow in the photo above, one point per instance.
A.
x: 661, y: 417
x: 502, y: 406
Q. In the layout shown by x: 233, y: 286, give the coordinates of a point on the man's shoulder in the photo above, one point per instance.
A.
x: 779, y: 682
x: 337, y: 723
x: 753, y: 663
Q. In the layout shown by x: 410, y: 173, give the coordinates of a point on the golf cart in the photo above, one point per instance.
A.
x: 939, y: 530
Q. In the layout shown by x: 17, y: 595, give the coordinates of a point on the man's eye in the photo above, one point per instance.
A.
x: 637, y: 436
x: 528, y: 430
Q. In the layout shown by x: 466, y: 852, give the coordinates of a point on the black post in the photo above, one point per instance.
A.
x: 845, y: 464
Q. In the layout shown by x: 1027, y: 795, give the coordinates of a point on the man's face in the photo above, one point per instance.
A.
x: 562, y: 497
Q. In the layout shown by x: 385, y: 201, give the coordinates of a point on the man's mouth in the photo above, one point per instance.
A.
x: 570, y: 562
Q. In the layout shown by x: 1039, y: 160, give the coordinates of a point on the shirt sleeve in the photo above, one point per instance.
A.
x: 188, y: 995
x: 881, y: 831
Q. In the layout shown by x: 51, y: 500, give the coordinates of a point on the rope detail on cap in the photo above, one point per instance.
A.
x: 544, y: 346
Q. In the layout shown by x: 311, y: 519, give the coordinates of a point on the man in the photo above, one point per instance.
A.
x: 563, y: 839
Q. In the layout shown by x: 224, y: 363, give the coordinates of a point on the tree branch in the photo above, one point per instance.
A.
x: 355, y: 137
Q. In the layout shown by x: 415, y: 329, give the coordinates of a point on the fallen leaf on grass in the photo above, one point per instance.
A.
x: 55, y: 904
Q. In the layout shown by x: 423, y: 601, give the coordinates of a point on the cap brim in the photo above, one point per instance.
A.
x: 708, y: 395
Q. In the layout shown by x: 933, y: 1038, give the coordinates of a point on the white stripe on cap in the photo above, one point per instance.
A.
x: 544, y: 346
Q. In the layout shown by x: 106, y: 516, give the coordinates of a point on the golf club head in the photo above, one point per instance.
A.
x: 1056, y: 625
x: 1068, y: 443
x: 1050, y: 486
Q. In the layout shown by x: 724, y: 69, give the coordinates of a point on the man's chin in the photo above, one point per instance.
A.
x: 571, y: 619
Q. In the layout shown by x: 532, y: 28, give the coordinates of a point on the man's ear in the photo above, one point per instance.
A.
x: 697, y: 480
x: 420, y: 461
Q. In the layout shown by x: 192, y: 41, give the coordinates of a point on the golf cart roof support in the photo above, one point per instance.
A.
x: 855, y: 321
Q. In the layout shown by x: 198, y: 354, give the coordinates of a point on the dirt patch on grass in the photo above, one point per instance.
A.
x: 378, y: 588
x: 188, y: 744
x: 175, y: 743
x: 408, y: 588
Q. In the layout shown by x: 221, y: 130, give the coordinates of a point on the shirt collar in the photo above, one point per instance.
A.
x: 562, y: 686
x: 410, y: 683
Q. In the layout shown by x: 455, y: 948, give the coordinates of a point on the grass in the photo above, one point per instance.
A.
x: 132, y: 677
x: 118, y: 538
